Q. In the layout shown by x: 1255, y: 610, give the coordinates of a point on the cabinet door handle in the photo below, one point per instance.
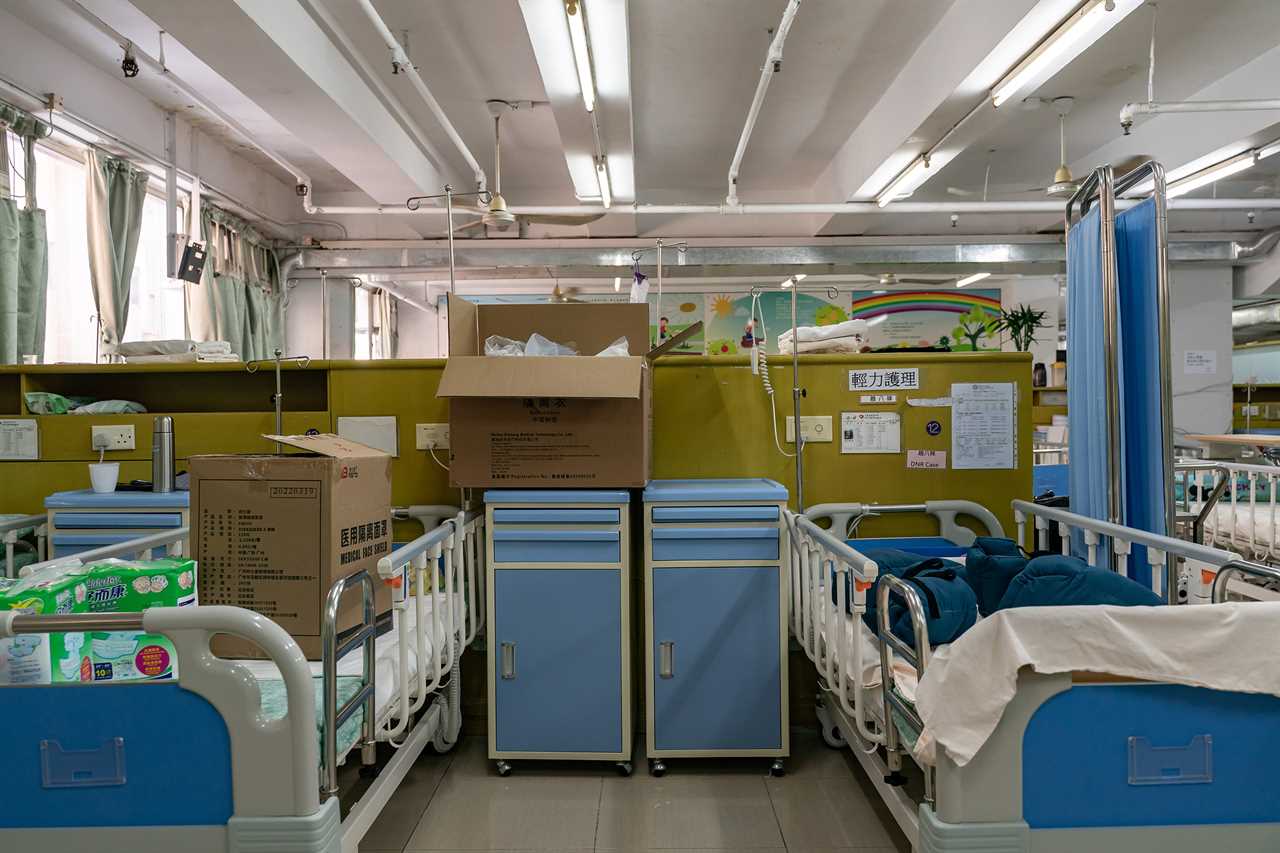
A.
x: 508, y: 661
x: 666, y: 660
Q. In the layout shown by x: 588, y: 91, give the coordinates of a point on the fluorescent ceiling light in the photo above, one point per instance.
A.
x: 878, y: 292
x: 1214, y: 173
x: 582, y: 53
x: 907, y: 181
x: 1085, y: 26
x: 970, y: 279
x: 1267, y: 150
x: 602, y: 177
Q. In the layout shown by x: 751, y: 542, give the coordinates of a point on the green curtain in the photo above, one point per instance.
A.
x: 115, y: 191
x: 24, y: 247
x: 384, y: 319
x: 238, y: 299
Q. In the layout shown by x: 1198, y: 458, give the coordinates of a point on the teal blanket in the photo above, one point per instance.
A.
x: 275, y: 705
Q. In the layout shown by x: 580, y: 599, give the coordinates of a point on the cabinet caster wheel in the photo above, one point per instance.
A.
x: 503, y: 768
x: 777, y: 769
x: 657, y: 768
x: 624, y: 768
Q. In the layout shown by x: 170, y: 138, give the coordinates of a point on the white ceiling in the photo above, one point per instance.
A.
x: 862, y: 82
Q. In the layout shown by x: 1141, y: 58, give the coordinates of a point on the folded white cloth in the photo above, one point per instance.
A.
x: 824, y: 333
x: 213, y: 347
x: 967, y: 684
x: 850, y: 343
x: 141, y: 348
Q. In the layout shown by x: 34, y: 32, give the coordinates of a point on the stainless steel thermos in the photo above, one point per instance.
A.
x: 162, y: 461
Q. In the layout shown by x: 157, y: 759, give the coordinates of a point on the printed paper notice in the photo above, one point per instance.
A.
x: 870, y: 432
x: 877, y: 399
x: 983, y: 425
x: 19, y: 439
x: 920, y: 459
x: 1202, y: 362
x: 888, y: 379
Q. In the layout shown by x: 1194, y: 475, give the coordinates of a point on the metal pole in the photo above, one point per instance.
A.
x: 279, y: 401
x: 324, y: 312
x: 796, y: 393
x: 1166, y: 367
x: 448, y: 206
x: 1111, y: 342
x: 657, y: 304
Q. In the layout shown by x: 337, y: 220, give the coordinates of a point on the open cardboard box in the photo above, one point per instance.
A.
x: 563, y: 421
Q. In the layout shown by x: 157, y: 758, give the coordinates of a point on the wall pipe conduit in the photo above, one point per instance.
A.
x: 772, y: 65
x: 1128, y: 111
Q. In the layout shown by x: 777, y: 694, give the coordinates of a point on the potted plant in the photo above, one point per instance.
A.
x: 1022, y: 323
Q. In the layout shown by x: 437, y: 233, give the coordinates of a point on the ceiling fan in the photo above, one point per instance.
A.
x: 495, y: 214
x: 888, y: 279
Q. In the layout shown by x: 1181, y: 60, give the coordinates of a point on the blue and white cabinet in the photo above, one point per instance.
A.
x: 559, y: 625
x: 715, y: 588
x: 83, y: 520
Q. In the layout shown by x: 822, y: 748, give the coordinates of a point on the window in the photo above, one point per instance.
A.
x: 157, y: 304
x: 71, y: 316
x: 364, y: 326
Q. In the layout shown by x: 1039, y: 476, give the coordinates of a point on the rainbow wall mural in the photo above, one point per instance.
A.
x: 922, y: 318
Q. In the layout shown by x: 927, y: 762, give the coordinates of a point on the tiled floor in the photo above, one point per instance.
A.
x: 457, y: 802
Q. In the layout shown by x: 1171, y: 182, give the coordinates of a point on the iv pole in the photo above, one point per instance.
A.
x: 681, y: 247
x: 278, y: 397
x: 415, y: 202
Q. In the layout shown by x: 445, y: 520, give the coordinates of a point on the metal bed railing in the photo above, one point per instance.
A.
x: 174, y: 543
x: 918, y: 657
x: 9, y: 530
x: 818, y: 560
x: 1049, y: 453
x: 1165, y: 555
x: 1212, y: 507
x: 333, y: 650
x: 845, y: 517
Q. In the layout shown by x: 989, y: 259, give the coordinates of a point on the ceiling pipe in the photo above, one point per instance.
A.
x: 1258, y: 248
x: 772, y: 65
x: 861, y: 208
x: 300, y: 177
x: 1244, y: 318
x: 401, y: 64
x: 1128, y: 111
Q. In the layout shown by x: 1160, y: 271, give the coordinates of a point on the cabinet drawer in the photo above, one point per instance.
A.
x: 557, y: 546
x: 66, y: 544
x: 116, y: 520
x: 715, y: 543
x: 714, y: 513
x: 555, y: 516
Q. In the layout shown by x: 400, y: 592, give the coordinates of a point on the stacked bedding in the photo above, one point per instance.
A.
x: 849, y: 336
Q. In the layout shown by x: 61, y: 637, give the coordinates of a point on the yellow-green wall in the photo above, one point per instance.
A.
x: 711, y: 418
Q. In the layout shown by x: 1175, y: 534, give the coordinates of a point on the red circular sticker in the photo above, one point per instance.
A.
x: 152, y: 660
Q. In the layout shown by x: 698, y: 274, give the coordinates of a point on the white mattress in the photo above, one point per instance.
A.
x: 387, y: 670
x: 1257, y: 517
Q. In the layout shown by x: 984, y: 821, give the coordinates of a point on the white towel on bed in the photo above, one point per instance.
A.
x: 967, y: 684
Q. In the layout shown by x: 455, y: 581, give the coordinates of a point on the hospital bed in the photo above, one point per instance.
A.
x: 1073, y: 761
x: 258, y: 743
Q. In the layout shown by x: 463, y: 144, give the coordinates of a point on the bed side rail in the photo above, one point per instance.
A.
x: 825, y: 571
x: 9, y: 530
x: 1222, y: 582
x: 174, y: 543
x: 845, y: 517
x: 1163, y: 553
x: 918, y: 657
x: 335, y: 715
x: 274, y: 761
x: 1219, y: 484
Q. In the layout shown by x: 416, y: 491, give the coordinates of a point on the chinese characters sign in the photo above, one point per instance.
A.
x: 890, y: 379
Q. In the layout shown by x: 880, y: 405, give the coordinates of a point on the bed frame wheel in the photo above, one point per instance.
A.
x: 657, y: 768
x: 624, y: 768
x: 831, y: 734
x: 777, y: 769
x: 895, y: 779
x: 503, y: 768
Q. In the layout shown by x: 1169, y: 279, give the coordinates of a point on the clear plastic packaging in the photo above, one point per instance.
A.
x: 498, y: 345
x: 537, y: 345
x: 615, y: 349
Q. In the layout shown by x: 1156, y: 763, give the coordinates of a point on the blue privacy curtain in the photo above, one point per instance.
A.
x: 1141, y: 460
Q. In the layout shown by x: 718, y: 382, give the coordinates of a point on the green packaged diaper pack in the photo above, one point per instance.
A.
x: 108, y: 586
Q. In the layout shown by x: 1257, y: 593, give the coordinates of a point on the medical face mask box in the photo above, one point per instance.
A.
x: 108, y: 586
x: 538, y: 421
x: 273, y: 533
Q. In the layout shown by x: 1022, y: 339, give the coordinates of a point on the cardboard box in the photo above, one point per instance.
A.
x: 272, y: 533
x: 548, y: 421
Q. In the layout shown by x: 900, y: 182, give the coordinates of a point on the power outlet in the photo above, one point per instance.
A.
x: 432, y: 436
x: 112, y: 437
x: 814, y: 428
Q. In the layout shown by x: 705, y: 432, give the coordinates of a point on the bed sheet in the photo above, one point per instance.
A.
x: 1257, y: 517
